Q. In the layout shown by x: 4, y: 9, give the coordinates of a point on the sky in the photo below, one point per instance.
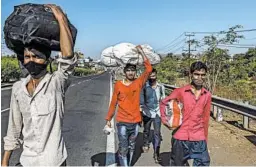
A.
x: 102, y: 23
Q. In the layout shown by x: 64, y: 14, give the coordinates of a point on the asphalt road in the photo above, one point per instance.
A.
x: 87, y: 101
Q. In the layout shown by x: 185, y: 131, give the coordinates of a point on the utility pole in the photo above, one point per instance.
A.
x: 189, y: 49
x: 189, y: 46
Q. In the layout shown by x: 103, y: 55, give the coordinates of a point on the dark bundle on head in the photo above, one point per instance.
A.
x: 197, y: 66
x: 129, y: 66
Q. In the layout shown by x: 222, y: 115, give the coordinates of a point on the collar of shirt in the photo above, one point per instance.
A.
x: 148, y: 85
x: 39, y: 87
x: 189, y: 88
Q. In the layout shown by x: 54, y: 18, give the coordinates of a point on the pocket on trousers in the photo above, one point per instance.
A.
x: 198, y: 146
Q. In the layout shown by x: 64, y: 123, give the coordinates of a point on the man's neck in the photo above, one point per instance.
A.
x: 35, y: 81
x: 196, y: 92
x: 128, y: 81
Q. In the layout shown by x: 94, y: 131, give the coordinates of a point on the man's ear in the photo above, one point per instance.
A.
x: 190, y: 74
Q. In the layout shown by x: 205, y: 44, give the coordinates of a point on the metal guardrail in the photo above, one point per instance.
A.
x: 218, y: 104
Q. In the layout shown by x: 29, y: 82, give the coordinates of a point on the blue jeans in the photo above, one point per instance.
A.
x: 127, y: 134
x: 182, y: 150
x: 157, y: 131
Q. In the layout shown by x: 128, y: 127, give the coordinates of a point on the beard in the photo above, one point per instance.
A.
x: 198, y: 84
x: 130, y: 77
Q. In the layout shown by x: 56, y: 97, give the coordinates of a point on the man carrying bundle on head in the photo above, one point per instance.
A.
x: 127, y: 95
x: 37, y: 103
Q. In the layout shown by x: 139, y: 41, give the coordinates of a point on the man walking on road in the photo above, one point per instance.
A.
x: 189, y: 141
x: 151, y: 95
x: 127, y: 95
x: 37, y: 104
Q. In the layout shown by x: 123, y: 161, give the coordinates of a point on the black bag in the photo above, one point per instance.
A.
x: 33, y: 24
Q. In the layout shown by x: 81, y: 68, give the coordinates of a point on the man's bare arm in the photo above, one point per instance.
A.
x: 141, y: 52
x: 6, y: 158
x: 148, y: 68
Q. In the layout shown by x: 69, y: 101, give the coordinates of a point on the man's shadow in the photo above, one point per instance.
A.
x: 138, y: 148
x: 166, y: 157
x: 105, y: 159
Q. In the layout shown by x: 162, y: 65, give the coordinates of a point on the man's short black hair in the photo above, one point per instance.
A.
x: 154, y: 71
x: 39, y: 50
x: 129, y: 66
x: 198, y: 65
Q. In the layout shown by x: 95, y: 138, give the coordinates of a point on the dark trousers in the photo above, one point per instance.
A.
x: 127, y: 134
x: 157, y: 131
x: 183, y: 150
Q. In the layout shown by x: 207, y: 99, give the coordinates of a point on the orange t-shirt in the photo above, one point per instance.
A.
x: 128, y: 99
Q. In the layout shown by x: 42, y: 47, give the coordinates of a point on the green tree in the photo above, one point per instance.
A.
x: 217, y: 58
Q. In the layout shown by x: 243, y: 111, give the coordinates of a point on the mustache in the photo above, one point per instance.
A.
x: 197, y: 82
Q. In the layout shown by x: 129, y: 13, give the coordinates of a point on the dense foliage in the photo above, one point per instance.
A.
x: 232, y: 77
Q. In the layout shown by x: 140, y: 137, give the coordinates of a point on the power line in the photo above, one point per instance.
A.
x: 171, y: 42
x: 245, y: 30
x: 174, y: 47
x: 234, y: 46
x: 250, y: 38
x: 178, y: 49
x: 253, y: 45
x: 175, y: 44
x: 220, y: 32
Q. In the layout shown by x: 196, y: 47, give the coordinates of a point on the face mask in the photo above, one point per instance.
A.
x: 152, y: 80
x: 36, y: 70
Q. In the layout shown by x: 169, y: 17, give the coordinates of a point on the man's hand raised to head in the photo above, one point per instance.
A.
x: 57, y: 11
x: 66, y: 41
x: 141, y: 52
x: 139, y: 49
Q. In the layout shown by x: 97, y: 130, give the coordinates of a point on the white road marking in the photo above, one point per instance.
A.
x: 110, y: 150
x: 5, y: 110
x: 6, y: 88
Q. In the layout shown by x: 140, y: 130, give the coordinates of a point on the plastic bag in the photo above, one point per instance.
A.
x: 107, y: 130
x: 173, y: 114
x: 33, y: 24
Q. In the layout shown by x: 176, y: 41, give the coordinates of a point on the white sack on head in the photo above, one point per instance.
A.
x: 109, y: 62
x: 127, y: 53
x: 108, y: 52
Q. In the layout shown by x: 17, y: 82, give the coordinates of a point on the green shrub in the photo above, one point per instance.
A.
x: 83, y: 71
x: 9, y: 69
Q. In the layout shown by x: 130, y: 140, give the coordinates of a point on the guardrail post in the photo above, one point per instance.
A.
x: 246, y: 122
x: 215, y: 108
x: 219, y: 117
x: 246, y: 119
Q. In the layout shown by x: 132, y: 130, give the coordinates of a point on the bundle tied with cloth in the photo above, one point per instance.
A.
x: 33, y: 26
x: 124, y: 53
